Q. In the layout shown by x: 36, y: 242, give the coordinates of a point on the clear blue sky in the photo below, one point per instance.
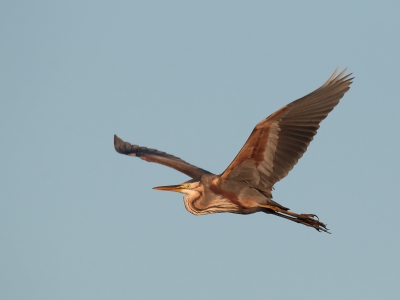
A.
x: 79, y: 221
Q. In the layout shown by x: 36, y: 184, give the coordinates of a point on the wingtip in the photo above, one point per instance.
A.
x: 117, y: 140
x: 330, y: 78
x: 341, y: 73
x: 335, y: 77
x: 126, y: 148
x: 118, y: 144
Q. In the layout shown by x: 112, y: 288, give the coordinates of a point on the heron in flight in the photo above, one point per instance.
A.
x: 271, y: 151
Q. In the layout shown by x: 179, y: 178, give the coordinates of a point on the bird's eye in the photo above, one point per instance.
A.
x: 187, y: 185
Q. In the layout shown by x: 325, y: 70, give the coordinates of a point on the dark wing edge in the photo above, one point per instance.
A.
x: 159, y: 157
x: 279, y: 141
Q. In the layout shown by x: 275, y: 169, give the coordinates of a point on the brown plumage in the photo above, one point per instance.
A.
x: 271, y: 151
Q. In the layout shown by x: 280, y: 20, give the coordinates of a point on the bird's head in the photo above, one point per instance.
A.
x: 192, y: 189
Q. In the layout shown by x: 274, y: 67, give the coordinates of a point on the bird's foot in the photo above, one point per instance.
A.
x: 312, y: 221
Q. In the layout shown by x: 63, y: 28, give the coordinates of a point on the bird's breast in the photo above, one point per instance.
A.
x: 210, y: 204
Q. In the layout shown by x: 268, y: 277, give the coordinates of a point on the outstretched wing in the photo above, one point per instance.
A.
x: 153, y: 155
x: 279, y: 141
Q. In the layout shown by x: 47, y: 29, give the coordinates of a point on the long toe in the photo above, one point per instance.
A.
x: 312, y: 221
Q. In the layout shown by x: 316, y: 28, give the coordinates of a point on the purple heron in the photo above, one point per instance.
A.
x: 271, y: 151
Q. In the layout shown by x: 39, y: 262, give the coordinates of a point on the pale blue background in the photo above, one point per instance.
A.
x: 79, y: 221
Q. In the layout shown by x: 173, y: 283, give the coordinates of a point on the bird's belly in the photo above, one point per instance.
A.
x: 247, y: 206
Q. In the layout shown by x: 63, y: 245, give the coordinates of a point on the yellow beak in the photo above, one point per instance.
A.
x: 172, y: 188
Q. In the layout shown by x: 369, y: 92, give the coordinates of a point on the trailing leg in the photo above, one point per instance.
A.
x: 305, y: 219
